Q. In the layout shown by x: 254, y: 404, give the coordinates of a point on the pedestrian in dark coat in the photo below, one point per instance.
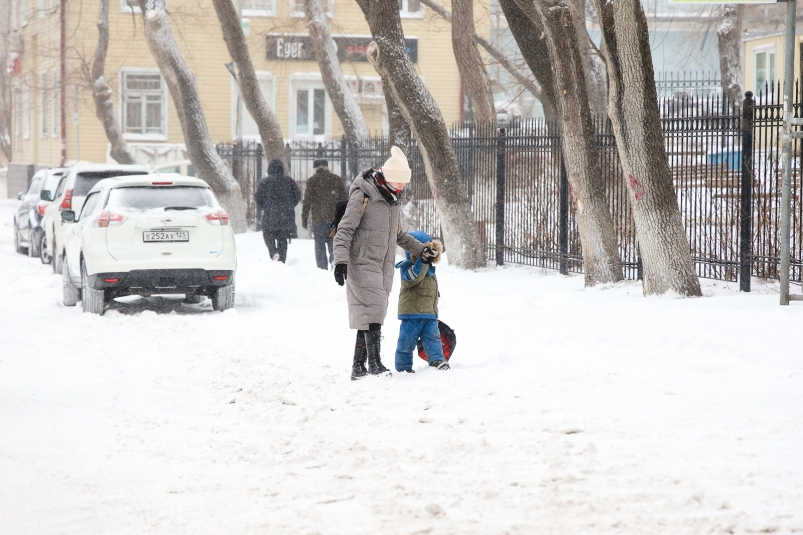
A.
x: 276, y: 198
x: 365, y: 248
x: 324, y: 190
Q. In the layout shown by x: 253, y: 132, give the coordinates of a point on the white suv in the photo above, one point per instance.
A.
x: 70, y: 195
x: 145, y: 235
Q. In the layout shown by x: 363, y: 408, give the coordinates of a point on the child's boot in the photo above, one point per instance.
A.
x: 375, y: 366
x: 440, y: 364
x: 358, y: 370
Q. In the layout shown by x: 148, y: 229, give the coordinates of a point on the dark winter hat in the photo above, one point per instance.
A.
x: 320, y: 163
x: 276, y: 167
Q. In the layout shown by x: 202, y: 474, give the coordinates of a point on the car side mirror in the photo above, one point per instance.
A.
x: 45, y: 195
x: 68, y: 216
x: 20, y: 195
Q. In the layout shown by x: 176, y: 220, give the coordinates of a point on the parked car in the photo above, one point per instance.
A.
x: 53, y: 178
x: 23, y: 214
x: 182, y: 167
x: 70, y: 195
x: 146, y: 235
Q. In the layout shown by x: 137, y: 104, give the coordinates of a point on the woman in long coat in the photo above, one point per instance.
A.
x: 276, y: 197
x: 365, y: 249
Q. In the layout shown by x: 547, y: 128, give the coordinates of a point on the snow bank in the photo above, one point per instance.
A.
x: 566, y: 410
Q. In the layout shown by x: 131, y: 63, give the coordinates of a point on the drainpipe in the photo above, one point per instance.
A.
x: 63, y: 80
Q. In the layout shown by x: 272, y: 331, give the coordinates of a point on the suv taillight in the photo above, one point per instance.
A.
x: 108, y: 219
x: 41, y: 208
x: 66, y: 204
x: 220, y: 217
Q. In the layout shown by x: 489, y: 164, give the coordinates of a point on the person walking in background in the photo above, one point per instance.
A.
x: 276, y: 198
x: 365, y: 247
x: 324, y: 190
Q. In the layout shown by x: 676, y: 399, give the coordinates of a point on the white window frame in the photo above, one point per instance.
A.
x: 121, y: 105
x: 769, y: 50
x: 405, y: 13
x: 44, y: 96
x: 330, y: 11
x: 270, y: 98
x: 126, y: 8
x: 249, y: 12
x: 56, y: 111
x: 310, y: 81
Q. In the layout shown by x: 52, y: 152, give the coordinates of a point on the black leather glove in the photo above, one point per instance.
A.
x: 341, y: 273
x: 428, y: 255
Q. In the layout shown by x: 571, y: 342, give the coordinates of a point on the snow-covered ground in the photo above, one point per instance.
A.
x: 566, y: 410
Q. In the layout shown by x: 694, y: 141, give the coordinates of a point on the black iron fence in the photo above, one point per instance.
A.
x: 726, y: 168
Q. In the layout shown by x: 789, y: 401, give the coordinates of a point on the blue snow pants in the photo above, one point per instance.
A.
x: 410, y: 331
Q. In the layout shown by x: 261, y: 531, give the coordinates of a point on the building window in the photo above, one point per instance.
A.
x: 44, y: 94
x: 310, y: 108
x: 411, y: 9
x: 765, y: 70
x: 258, y: 8
x: 249, y: 126
x: 143, y: 104
x: 129, y: 6
x: 56, y: 107
x: 19, y: 13
x: 297, y: 8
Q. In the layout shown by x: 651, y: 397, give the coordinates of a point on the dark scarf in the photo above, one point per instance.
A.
x: 375, y: 177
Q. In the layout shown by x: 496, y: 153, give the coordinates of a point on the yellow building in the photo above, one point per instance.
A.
x: 763, y: 62
x: 280, y: 51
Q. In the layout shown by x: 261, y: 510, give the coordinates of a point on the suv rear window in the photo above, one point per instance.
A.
x: 147, y: 198
x: 86, y: 180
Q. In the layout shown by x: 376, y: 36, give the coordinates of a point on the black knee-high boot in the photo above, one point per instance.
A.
x: 373, y: 336
x: 358, y: 370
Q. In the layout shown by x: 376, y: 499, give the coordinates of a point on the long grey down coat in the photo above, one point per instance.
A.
x: 368, y: 244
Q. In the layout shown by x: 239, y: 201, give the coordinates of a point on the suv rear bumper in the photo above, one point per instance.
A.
x: 161, y: 280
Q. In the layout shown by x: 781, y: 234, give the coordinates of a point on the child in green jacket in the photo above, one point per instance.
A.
x: 418, y: 308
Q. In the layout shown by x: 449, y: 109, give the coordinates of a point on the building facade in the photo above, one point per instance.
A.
x: 43, y: 121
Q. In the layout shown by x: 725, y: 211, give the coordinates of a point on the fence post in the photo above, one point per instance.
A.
x: 343, y: 156
x: 500, y: 198
x: 746, y: 197
x: 563, y: 229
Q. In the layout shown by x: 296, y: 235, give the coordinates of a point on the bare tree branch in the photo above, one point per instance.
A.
x: 339, y: 93
x: 101, y: 93
x: 255, y: 103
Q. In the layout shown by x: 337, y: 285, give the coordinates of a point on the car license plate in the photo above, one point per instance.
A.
x: 169, y: 235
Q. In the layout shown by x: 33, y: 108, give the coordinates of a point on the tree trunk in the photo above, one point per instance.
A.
x: 494, y: 52
x: 181, y: 84
x: 398, y: 130
x: 269, y: 130
x: 529, y: 37
x: 339, y: 93
x: 389, y: 56
x: 578, y: 140
x: 469, y: 62
x: 101, y: 93
x: 729, y: 42
x: 633, y: 110
x: 593, y: 65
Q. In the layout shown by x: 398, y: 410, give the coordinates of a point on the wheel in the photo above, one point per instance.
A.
x: 20, y: 249
x: 223, y: 297
x: 70, y: 295
x: 193, y: 298
x: 44, y: 256
x: 92, y: 299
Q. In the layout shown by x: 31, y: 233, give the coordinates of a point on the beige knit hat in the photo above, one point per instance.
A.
x: 396, y: 169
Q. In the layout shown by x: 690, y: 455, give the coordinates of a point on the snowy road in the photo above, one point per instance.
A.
x: 566, y: 411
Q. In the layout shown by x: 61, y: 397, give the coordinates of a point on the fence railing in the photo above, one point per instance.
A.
x: 725, y: 167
